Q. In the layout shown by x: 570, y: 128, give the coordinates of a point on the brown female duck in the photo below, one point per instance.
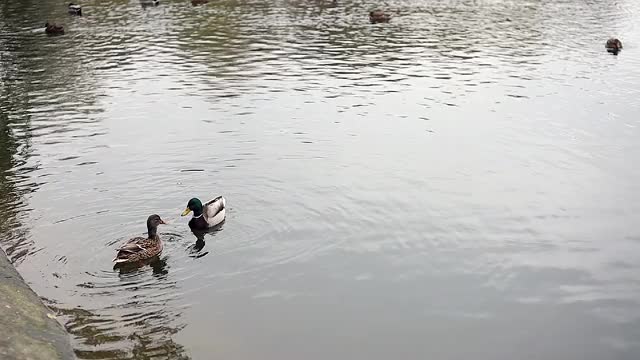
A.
x: 613, y: 45
x: 53, y: 29
x: 379, y: 16
x: 140, y: 248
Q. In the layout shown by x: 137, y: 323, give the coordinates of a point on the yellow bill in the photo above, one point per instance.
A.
x: 186, y: 212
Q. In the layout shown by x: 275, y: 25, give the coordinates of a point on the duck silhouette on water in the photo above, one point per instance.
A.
x: 149, y: 3
x: 379, y: 16
x: 75, y: 9
x: 53, y: 29
x: 613, y: 46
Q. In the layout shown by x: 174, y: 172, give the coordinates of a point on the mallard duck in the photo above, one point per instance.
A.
x: 613, y: 45
x: 198, y: 2
x: 75, y: 9
x: 207, y: 216
x: 140, y: 248
x: 378, y: 16
x: 53, y: 29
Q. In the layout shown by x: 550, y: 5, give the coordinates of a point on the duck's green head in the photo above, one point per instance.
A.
x: 194, y: 205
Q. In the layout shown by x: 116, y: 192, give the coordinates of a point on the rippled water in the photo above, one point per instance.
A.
x: 457, y: 184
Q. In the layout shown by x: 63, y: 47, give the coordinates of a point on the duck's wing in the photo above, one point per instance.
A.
x: 132, y: 248
x: 214, y: 211
x: 214, y: 200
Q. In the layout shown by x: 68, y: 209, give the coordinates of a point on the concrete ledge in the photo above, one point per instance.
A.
x: 28, y: 329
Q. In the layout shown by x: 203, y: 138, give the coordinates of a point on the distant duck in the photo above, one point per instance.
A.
x: 140, y: 248
x: 147, y: 3
x: 379, y: 16
x: 198, y: 2
x: 53, y: 29
x: 613, y: 45
x: 75, y: 9
x: 206, y: 216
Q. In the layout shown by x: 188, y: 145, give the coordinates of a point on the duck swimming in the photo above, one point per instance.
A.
x: 147, y: 3
x: 75, y: 9
x: 53, y: 29
x: 205, y: 216
x: 140, y: 248
x: 379, y: 16
x: 613, y: 45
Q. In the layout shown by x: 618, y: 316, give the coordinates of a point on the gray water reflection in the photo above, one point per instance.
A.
x: 456, y: 184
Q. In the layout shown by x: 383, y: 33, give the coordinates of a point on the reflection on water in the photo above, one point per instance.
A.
x: 146, y: 316
x: 15, y: 184
x: 453, y: 184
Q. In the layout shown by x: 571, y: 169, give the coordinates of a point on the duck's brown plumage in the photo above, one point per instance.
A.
x: 140, y: 248
x: 613, y: 45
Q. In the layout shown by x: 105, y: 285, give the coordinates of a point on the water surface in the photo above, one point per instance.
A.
x: 456, y: 184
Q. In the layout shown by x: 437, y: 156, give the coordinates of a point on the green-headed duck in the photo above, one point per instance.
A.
x: 206, y: 216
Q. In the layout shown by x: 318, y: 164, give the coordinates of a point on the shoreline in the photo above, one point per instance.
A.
x: 28, y: 328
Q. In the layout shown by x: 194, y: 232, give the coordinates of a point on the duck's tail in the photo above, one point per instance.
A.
x: 119, y: 259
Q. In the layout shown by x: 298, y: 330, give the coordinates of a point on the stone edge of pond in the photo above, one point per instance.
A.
x: 28, y: 329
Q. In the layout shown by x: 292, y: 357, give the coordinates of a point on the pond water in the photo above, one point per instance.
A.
x: 459, y: 183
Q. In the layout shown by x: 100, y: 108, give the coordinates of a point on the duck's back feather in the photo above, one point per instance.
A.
x: 138, y: 248
x: 215, y: 211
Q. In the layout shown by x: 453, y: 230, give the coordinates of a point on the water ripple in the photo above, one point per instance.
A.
x: 464, y: 150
